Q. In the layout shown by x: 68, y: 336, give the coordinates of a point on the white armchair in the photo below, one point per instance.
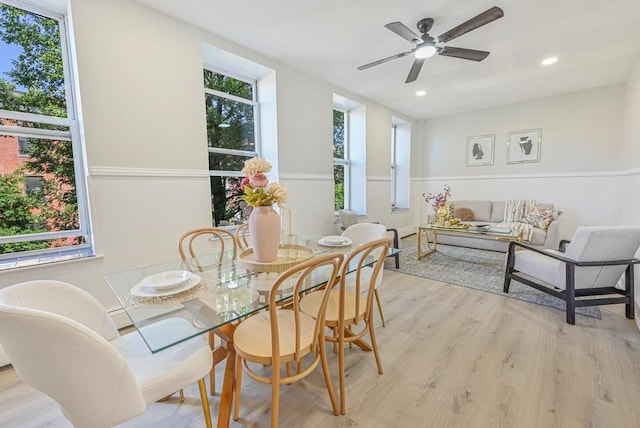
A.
x: 591, y: 265
x: 62, y: 342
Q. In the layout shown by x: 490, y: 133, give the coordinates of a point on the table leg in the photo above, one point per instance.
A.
x: 430, y: 249
x: 225, y: 333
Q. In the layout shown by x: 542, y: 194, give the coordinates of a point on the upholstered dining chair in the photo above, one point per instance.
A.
x: 361, y: 233
x: 591, y: 265
x: 349, y: 310
x: 62, y: 342
x: 282, y: 336
x: 348, y: 218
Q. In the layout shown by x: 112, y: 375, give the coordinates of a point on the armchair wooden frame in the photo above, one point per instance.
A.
x: 579, y: 297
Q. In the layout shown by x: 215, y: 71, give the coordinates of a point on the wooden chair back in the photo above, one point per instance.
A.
x: 241, y: 236
x: 206, y: 240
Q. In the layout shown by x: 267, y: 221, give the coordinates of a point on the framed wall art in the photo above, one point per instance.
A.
x: 480, y: 150
x: 524, y: 146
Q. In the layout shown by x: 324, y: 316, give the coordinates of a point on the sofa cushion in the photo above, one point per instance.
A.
x: 497, y: 211
x: 464, y: 214
x: 541, y: 218
x: 481, y: 209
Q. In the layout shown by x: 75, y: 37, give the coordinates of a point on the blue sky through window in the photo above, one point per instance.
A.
x: 8, y: 52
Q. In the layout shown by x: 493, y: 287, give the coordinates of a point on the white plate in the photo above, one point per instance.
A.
x: 141, y: 290
x: 166, y: 280
x: 335, y: 241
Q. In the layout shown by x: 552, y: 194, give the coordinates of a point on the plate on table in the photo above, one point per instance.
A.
x: 166, y: 280
x: 335, y: 241
x: 142, y: 290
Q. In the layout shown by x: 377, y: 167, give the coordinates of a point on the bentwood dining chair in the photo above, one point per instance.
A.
x: 241, y: 236
x: 62, y: 342
x: 208, y: 240
x: 361, y: 233
x: 349, y: 310
x: 282, y: 336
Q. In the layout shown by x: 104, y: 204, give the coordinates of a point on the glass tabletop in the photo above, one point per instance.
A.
x: 473, y: 229
x: 208, y: 291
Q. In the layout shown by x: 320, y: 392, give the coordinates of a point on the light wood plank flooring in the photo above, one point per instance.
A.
x: 453, y: 357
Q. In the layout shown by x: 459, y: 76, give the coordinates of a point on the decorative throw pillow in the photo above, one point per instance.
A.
x: 464, y: 214
x: 541, y: 217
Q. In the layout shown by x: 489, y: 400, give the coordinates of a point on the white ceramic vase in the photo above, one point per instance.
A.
x: 264, y: 233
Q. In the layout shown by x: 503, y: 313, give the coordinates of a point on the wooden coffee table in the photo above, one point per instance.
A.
x: 432, y: 230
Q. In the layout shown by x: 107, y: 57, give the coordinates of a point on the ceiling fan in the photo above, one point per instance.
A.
x: 426, y: 46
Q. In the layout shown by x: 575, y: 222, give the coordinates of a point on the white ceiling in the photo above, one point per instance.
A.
x: 597, y: 42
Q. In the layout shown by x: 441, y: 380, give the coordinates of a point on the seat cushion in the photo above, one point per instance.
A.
x: 166, y: 371
x: 539, y: 266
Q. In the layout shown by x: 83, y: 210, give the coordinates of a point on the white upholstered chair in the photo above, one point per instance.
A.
x: 361, y: 233
x: 62, y: 342
x: 591, y: 265
x: 348, y: 218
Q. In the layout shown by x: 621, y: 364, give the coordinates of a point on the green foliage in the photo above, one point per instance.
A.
x: 237, y: 133
x: 39, y: 69
x: 17, y: 213
x: 338, y: 196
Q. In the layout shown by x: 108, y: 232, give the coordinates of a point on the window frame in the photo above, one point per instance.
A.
x: 394, y: 168
x: 73, y: 135
x: 254, y: 102
x: 345, y: 162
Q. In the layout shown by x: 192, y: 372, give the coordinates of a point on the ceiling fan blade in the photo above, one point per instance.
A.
x: 463, y: 53
x: 383, y: 60
x: 415, y: 70
x: 403, y: 31
x: 477, y: 21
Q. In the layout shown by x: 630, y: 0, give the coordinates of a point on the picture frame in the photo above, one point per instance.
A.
x: 524, y: 146
x: 480, y: 150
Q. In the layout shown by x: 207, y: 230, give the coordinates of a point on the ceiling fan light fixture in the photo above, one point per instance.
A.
x: 550, y: 60
x: 426, y: 51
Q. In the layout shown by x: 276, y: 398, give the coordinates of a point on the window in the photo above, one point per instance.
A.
x: 340, y: 160
x: 46, y: 212
x: 232, y: 111
x: 400, y: 163
x: 23, y: 146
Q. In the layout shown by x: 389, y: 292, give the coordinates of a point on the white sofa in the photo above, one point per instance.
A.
x: 492, y: 212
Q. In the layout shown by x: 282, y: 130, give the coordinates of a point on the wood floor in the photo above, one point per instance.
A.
x: 452, y: 357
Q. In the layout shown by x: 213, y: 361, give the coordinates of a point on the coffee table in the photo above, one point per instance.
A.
x: 432, y: 231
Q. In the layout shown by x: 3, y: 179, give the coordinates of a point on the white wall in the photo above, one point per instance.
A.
x: 579, y: 165
x: 629, y: 188
x: 140, y: 75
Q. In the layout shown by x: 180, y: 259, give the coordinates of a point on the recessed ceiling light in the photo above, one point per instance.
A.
x: 421, y: 93
x: 550, y: 60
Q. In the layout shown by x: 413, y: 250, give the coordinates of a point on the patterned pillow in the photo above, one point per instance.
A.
x: 464, y: 214
x: 541, y: 217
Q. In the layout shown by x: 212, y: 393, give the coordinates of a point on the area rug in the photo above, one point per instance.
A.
x: 453, y: 265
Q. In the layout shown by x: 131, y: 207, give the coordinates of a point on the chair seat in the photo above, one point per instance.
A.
x: 311, y: 302
x: 159, y: 373
x: 544, y: 268
x: 252, y: 338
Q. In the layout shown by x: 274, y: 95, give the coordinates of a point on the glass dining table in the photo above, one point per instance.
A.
x: 213, y: 293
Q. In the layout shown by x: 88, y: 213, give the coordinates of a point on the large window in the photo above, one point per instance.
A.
x: 43, y: 215
x: 340, y: 159
x: 400, y: 163
x: 232, y: 112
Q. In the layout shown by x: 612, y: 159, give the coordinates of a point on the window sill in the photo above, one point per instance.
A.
x: 46, y: 260
x: 395, y: 209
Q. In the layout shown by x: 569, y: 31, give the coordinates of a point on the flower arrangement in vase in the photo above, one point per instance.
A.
x: 439, y: 202
x: 264, y: 221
